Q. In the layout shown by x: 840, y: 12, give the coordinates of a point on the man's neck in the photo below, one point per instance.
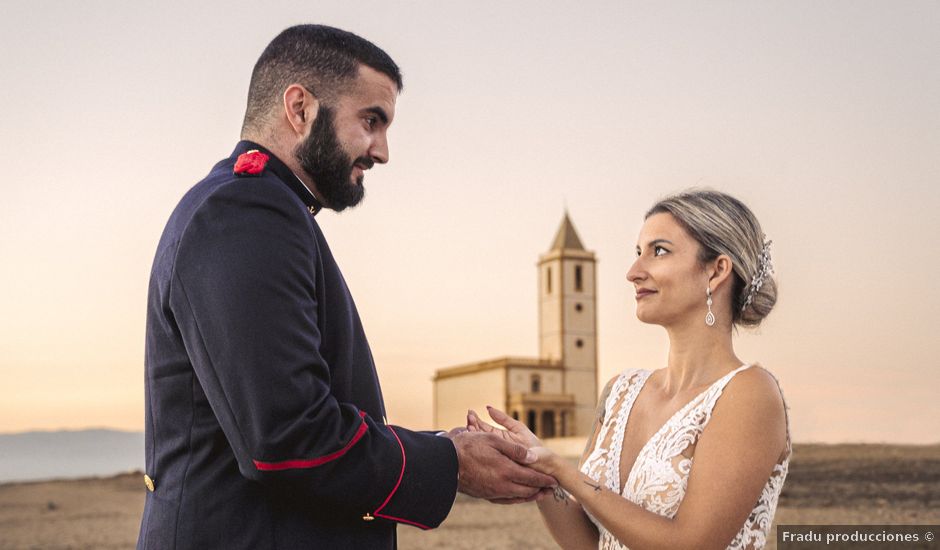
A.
x: 286, y: 155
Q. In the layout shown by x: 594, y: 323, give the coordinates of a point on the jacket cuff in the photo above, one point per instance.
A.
x: 427, y: 484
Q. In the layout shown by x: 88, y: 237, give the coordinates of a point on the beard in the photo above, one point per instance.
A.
x: 321, y: 156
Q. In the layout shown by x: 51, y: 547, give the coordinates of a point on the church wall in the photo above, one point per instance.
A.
x: 582, y: 385
x: 453, y: 396
x: 550, y: 346
x: 580, y: 357
x: 580, y: 341
x: 580, y: 320
x: 587, y: 276
x: 549, y: 308
x: 520, y: 380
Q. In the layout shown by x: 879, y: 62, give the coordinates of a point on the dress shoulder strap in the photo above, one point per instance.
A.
x: 712, y: 394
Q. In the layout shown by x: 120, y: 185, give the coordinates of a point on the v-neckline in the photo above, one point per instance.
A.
x: 622, y: 480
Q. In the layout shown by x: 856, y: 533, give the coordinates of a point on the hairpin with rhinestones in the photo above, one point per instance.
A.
x: 764, y: 268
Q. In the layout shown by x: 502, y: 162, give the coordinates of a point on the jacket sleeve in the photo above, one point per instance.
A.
x: 243, y: 297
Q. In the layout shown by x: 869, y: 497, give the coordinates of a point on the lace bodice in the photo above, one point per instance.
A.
x: 658, y: 478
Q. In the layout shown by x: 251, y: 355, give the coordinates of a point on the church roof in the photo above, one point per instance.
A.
x: 566, y: 238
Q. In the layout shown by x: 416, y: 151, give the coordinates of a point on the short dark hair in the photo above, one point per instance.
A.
x: 323, y: 59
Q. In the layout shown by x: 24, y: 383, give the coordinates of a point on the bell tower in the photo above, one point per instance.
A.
x: 568, y: 319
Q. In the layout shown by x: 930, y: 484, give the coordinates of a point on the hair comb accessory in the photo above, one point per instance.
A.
x: 764, y: 268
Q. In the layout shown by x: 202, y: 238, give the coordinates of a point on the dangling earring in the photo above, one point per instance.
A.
x: 709, y: 317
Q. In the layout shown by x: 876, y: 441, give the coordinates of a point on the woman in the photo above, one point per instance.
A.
x: 692, y: 455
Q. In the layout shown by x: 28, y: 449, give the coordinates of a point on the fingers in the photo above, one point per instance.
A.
x: 479, y: 425
x: 521, y: 475
x: 515, y: 451
x: 490, y: 467
x: 511, y: 500
x: 537, y: 496
x: 505, y: 420
x: 545, y: 492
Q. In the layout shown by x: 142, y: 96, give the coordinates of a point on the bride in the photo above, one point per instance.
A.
x: 692, y: 455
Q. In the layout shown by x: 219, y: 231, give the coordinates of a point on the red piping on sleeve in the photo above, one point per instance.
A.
x: 314, y: 462
x: 398, y: 484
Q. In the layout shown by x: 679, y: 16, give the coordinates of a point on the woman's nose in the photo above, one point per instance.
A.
x: 636, y: 273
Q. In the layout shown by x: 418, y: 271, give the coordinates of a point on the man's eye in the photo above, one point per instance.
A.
x: 659, y: 251
x: 638, y: 253
x: 371, y: 121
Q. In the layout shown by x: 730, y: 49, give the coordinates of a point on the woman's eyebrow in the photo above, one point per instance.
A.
x: 654, y: 242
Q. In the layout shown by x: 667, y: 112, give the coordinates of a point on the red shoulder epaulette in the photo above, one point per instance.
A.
x: 251, y: 163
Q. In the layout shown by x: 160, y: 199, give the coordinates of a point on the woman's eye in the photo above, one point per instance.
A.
x: 659, y: 251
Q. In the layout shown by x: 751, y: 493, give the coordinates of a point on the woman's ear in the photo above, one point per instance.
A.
x: 719, y: 271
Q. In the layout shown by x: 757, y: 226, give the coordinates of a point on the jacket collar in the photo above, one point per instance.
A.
x: 283, y: 173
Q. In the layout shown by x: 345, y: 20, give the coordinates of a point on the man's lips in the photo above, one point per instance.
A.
x: 643, y: 292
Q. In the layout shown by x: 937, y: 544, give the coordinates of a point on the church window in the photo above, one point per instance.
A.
x: 536, y: 383
x: 579, y: 342
x: 548, y: 280
x: 578, y: 307
x: 578, y: 279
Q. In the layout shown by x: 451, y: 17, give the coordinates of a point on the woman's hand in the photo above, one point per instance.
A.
x: 515, y: 431
x: 547, y: 463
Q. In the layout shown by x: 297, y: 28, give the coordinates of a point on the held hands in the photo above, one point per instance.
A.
x: 545, y: 460
x: 493, y: 467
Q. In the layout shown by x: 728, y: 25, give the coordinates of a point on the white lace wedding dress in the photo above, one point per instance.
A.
x: 659, y: 477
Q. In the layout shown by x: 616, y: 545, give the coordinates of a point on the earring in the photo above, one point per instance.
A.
x: 709, y: 317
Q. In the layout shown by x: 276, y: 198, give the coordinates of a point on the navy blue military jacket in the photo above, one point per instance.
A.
x: 264, y: 413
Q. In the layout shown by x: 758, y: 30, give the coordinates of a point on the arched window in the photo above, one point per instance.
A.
x: 578, y: 279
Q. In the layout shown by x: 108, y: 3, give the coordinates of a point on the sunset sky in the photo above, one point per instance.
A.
x: 824, y: 117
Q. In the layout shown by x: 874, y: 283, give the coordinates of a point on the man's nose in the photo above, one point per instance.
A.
x: 379, y: 150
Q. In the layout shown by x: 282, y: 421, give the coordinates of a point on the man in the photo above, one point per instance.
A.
x: 265, y: 420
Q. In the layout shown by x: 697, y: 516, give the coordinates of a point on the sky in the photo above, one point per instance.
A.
x: 823, y: 117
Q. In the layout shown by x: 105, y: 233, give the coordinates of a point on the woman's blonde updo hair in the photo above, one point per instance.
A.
x: 724, y: 225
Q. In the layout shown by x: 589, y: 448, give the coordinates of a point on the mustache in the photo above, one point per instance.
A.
x: 364, y: 162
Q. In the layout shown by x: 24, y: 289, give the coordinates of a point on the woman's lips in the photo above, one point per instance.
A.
x: 643, y: 293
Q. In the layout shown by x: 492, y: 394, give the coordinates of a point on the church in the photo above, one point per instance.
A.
x: 555, y: 394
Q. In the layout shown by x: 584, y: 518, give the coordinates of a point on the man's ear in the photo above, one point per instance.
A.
x: 720, y: 271
x: 300, y: 108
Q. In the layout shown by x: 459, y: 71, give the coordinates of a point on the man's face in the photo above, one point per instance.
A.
x: 348, y: 138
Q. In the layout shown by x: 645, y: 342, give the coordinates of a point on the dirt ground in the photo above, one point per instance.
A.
x: 828, y: 484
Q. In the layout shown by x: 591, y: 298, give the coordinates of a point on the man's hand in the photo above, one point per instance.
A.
x: 493, y: 468
x: 515, y: 431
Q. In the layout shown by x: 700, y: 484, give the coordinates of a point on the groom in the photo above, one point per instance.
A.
x: 265, y: 421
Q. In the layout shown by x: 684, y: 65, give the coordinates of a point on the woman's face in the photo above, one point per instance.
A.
x: 670, y: 282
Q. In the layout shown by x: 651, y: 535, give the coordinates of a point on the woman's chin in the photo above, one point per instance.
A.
x: 645, y: 317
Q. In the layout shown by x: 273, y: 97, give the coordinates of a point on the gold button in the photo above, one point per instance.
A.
x: 148, y: 482
x: 368, y: 517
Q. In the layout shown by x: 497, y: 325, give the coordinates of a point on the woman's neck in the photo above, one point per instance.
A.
x: 697, y: 356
